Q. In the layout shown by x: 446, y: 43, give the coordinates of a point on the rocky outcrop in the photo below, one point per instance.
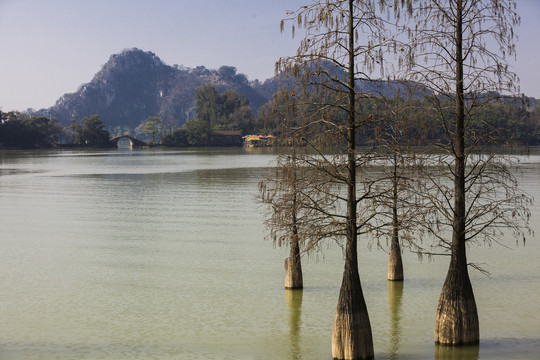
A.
x: 135, y: 84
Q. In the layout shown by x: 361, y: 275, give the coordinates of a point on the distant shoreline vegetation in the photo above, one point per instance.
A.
x: 222, y: 120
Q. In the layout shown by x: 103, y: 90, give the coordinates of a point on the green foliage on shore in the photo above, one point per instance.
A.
x: 41, y: 132
x: 90, y: 132
x: 28, y: 133
x: 510, y: 121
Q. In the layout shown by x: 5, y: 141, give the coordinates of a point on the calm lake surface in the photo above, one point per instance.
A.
x: 160, y: 254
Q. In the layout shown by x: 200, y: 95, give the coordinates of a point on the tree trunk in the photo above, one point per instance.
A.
x: 457, y: 316
x: 293, y: 277
x: 395, y: 264
x: 351, y: 336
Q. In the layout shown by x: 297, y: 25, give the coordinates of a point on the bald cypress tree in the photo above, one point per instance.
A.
x: 341, y: 46
x: 459, y: 49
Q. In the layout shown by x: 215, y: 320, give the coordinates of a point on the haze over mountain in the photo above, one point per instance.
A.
x: 136, y: 84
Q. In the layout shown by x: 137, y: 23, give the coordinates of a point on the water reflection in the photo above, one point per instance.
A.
x: 395, y: 293
x: 443, y: 352
x: 294, y: 301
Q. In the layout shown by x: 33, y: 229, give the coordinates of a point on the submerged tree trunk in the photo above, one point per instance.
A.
x: 293, y: 277
x: 457, y: 316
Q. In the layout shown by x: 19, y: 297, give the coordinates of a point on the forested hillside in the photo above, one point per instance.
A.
x: 134, y: 85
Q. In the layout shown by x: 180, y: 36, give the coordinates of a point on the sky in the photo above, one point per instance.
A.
x: 51, y: 47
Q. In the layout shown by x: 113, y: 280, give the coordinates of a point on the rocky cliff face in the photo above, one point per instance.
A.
x: 134, y: 85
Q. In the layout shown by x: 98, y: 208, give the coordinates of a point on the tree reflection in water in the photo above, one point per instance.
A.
x: 443, y: 352
x: 294, y: 301
x: 395, y: 293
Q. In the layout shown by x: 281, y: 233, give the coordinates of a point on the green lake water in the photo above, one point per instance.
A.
x: 160, y: 254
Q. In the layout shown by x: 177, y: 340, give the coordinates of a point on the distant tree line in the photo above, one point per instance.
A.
x: 514, y: 122
x: 41, y: 132
x: 27, y: 133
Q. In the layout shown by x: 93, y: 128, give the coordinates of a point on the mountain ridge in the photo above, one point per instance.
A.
x: 135, y: 84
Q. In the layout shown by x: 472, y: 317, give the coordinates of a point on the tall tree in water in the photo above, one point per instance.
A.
x: 340, y: 48
x: 459, y: 49
x: 287, y: 194
x: 400, y: 204
x: 286, y: 223
x: 282, y: 194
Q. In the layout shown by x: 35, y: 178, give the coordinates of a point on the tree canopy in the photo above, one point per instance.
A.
x: 28, y: 133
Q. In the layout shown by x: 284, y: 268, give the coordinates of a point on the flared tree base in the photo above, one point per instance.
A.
x: 457, y: 315
x: 395, y: 267
x: 352, y: 338
x: 293, y: 277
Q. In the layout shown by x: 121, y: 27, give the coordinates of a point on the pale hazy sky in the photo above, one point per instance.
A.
x: 51, y: 47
